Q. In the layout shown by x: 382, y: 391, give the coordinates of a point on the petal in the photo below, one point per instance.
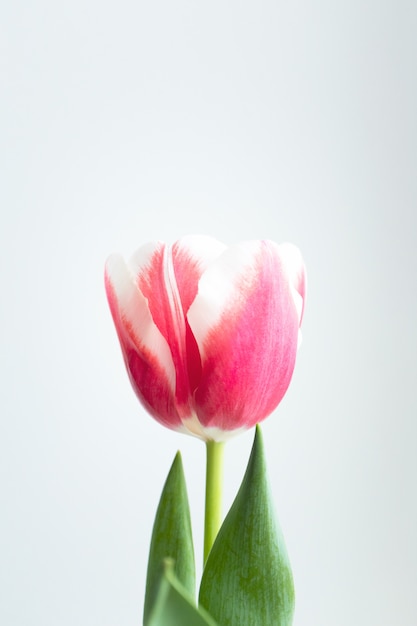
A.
x: 149, y: 269
x: 245, y: 321
x: 191, y: 256
x: 146, y: 352
x: 155, y: 277
x: 294, y: 266
x: 168, y: 279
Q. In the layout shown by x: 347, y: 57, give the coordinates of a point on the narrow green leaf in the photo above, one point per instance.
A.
x: 171, y: 537
x: 247, y: 580
x: 173, y: 605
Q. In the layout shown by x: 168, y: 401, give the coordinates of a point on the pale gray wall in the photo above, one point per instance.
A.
x: 123, y: 122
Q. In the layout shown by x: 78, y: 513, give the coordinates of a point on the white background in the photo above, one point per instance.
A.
x: 124, y: 122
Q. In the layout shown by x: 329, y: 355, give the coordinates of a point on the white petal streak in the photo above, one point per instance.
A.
x: 294, y: 266
x: 135, y: 315
x: 193, y: 427
x: 222, y: 284
x: 204, y: 250
x: 171, y: 288
x: 143, y: 257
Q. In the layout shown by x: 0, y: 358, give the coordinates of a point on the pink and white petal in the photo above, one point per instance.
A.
x: 147, y: 268
x: 222, y: 285
x: 191, y: 256
x: 246, y: 325
x: 146, y: 352
x: 168, y: 278
x: 294, y: 265
x: 153, y: 269
x: 209, y: 433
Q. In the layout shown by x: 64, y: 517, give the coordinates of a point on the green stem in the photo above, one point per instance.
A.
x: 214, y: 490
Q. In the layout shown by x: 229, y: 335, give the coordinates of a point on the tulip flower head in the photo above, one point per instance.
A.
x: 209, y: 333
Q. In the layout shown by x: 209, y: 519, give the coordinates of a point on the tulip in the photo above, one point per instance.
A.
x: 209, y: 333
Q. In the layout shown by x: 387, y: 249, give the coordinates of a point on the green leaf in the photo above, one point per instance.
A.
x: 171, y: 537
x: 173, y: 605
x: 247, y: 579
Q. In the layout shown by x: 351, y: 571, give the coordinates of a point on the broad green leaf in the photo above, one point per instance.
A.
x: 171, y: 537
x: 173, y: 605
x: 247, y: 579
